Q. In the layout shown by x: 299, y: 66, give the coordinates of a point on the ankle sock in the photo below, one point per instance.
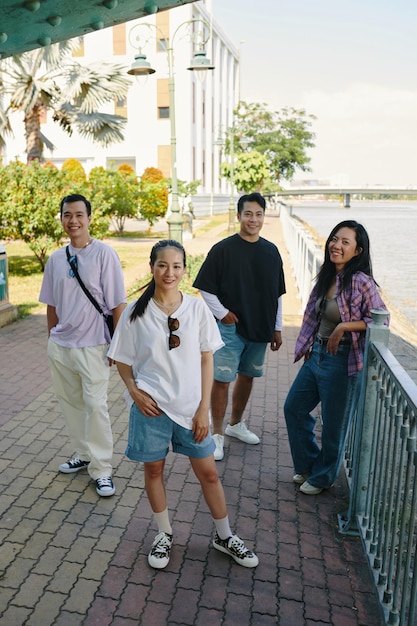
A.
x: 162, y: 520
x: 223, y: 527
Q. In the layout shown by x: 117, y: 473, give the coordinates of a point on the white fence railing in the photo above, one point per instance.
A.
x: 305, y: 254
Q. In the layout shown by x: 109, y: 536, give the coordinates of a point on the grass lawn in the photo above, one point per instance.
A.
x: 25, y: 275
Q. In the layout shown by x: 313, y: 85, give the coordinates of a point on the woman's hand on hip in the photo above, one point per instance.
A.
x: 146, y: 404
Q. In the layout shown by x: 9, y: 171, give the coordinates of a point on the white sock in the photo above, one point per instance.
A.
x: 223, y: 527
x: 162, y: 519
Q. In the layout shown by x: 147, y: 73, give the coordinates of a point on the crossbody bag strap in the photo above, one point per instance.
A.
x: 83, y: 287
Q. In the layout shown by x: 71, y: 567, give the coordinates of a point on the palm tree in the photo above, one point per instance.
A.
x: 50, y: 78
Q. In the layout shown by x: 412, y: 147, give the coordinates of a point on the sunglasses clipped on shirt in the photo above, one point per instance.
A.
x: 73, y: 264
x: 173, y: 340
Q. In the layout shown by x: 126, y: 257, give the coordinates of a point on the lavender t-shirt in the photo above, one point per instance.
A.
x: 80, y: 324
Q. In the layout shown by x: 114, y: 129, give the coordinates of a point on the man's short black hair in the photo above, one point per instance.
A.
x: 251, y: 197
x: 75, y: 197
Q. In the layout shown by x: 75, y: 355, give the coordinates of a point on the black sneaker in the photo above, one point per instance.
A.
x: 236, y: 549
x: 104, y: 486
x: 73, y: 465
x: 160, y: 552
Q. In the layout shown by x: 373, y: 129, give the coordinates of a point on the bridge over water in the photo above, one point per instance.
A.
x: 345, y: 193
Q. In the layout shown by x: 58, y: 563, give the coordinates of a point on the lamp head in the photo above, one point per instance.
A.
x: 244, y: 142
x: 200, y: 62
x: 140, y: 66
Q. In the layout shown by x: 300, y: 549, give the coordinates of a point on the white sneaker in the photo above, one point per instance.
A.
x: 310, y: 490
x: 236, y: 549
x: 219, y: 452
x: 299, y: 479
x: 241, y: 432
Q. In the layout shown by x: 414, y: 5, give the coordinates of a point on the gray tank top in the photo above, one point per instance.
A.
x: 330, y: 316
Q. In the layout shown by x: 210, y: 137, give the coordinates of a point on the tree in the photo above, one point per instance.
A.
x: 49, y: 79
x: 153, y: 199
x: 250, y: 172
x: 282, y: 137
x: 29, y: 206
x: 116, y: 192
x: 75, y: 171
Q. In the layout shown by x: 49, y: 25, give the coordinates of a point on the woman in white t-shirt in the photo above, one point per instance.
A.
x: 163, y: 347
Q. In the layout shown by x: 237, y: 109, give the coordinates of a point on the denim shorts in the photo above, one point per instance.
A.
x: 149, y: 438
x: 238, y: 355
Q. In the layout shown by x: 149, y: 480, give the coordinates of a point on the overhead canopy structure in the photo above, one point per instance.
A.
x: 29, y: 24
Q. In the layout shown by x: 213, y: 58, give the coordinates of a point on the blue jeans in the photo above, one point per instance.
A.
x: 322, y: 378
x: 238, y: 356
x: 149, y: 438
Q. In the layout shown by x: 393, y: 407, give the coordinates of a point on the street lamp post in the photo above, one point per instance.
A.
x: 141, y: 67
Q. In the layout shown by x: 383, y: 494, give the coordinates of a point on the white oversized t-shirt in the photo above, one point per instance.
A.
x: 171, y: 377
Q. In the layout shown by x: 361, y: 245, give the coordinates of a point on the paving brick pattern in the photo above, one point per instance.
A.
x: 70, y: 558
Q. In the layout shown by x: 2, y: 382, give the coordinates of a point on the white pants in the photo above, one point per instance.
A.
x: 80, y: 377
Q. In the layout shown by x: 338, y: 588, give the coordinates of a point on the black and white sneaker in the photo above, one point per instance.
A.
x: 160, y: 552
x: 104, y: 486
x: 236, y: 549
x: 73, y: 465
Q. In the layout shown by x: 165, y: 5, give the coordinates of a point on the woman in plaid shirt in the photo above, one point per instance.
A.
x: 332, y: 342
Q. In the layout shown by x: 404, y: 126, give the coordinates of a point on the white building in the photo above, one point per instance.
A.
x: 203, y: 111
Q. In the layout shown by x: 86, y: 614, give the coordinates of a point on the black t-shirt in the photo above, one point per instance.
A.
x: 248, y: 279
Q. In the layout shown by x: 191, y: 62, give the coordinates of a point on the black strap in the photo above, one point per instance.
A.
x: 83, y: 287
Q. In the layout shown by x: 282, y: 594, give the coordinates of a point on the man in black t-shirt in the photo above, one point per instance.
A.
x: 242, y: 281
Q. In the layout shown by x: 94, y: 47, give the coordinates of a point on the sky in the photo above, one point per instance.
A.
x: 351, y: 63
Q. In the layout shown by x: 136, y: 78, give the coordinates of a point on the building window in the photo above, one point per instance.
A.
x: 120, y: 107
x: 162, y: 44
x: 162, y: 87
x: 162, y: 23
x: 119, y: 39
x: 163, y: 113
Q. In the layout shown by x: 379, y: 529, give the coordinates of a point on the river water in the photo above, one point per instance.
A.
x: 392, y: 229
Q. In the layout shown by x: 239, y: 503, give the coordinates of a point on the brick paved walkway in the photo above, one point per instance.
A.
x: 69, y: 558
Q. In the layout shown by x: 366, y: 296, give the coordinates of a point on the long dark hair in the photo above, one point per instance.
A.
x: 149, y: 289
x: 359, y: 263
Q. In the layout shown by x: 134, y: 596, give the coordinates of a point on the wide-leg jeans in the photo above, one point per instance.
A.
x: 322, y: 378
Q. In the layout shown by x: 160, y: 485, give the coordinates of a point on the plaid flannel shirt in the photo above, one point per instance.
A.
x: 355, y: 303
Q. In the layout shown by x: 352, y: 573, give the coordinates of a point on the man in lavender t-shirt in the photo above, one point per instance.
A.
x: 79, y: 338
